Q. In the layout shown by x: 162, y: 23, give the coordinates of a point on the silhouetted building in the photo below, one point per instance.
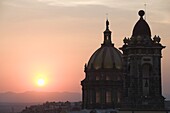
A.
x: 128, y: 80
x: 102, y: 86
x: 142, y: 68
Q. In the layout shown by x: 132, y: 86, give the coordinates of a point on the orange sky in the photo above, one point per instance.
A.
x: 56, y: 38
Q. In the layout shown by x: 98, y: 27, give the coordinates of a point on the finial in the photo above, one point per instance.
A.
x: 145, y: 10
x: 141, y: 13
x: 107, y: 15
x: 107, y: 24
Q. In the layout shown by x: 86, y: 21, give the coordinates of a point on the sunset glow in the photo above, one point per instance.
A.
x: 41, y: 82
x: 44, y: 44
x: 41, y: 79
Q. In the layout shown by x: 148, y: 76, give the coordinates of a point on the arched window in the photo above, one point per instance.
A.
x: 118, y: 97
x: 107, y: 77
x: 97, y: 96
x: 108, y: 97
x: 97, y: 77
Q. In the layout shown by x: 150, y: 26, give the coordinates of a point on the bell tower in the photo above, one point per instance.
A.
x: 142, y: 68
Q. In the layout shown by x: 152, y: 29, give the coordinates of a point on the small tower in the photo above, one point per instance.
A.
x: 102, y: 86
x: 142, y: 68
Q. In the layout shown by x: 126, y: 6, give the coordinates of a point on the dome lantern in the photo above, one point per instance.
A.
x: 107, y: 56
x: 107, y: 35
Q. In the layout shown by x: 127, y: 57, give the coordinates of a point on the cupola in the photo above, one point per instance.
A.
x: 107, y: 56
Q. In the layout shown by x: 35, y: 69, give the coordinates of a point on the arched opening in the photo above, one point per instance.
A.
x: 108, y: 97
x: 146, y: 73
x: 97, y: 77
x: 97, y: 96
x: 108, y: 77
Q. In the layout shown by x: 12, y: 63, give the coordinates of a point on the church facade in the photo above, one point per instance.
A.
x: 131, y: 79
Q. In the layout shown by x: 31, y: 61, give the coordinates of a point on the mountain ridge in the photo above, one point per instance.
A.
x: 37, y: 96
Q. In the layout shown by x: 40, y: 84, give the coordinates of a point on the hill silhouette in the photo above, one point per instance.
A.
x: 33, y: 96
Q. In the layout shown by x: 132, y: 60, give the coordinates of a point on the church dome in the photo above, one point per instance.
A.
x: 141, y: 35
x: 141, y: 28
x: 107, y: 56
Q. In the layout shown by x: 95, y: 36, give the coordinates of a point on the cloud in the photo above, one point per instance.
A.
x: 73, y: 2
x: 12, y: 4
x: 109, y: 3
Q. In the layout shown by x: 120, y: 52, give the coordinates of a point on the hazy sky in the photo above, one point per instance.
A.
x: 53, y: 39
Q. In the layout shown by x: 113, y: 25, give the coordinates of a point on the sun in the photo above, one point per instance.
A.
x: 40, y: 82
